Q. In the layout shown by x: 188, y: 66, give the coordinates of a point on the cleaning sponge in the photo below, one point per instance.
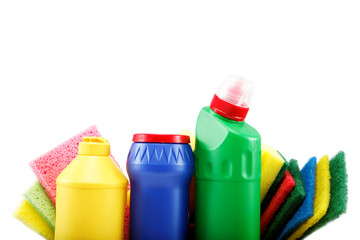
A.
x: 279, y: 198
x: 293, y: 202
x: 271, y: 163
x: 37, y: 197
x: 127, y: 215
x: 28, y: 216
x: 48, y: 166
x: 306, y: 210
x: 274, y: 186
x: 321, y: 199
x: 338, y: 192
x: 192, y: 138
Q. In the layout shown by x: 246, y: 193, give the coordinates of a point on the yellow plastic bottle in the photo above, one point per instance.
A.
x: 91, y: 195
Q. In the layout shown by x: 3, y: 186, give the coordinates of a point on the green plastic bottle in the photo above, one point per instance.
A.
x: 227, y: 167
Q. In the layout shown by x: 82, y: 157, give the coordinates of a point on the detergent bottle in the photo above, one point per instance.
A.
x: 91, y: 195
x: 160, y: 168
x: 227, y: 167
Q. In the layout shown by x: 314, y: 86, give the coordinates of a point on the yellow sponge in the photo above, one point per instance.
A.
x: 271, y: 163
x: 192, y: 138
x: 28, y: 216
x: 321, y: 199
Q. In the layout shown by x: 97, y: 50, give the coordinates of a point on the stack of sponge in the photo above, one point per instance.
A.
x: 304, y: 200
x: 37, y: 209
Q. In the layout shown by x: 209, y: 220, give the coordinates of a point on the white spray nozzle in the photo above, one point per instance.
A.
x: 236, y: 90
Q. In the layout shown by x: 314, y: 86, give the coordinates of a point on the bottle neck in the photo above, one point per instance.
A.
x: 93, y: 149
x: 228, y: 110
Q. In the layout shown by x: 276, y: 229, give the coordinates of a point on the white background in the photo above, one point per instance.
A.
x: 151, y: 66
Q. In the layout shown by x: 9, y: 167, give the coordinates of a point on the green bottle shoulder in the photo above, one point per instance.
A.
x: 208, y: 117
x: 226, y: 150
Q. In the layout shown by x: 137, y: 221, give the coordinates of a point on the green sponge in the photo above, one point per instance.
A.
x: 275, y: 185
x: 37, y: 197
x: 338, y: 192
x: 293, y: 202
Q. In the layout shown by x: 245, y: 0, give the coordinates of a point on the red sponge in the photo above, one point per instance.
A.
x: 287, y: 185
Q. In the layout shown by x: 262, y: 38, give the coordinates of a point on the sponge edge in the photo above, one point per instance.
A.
x: 321, y: 199
x: 271, y: 164
x: 274, y: 186
x: 28, y: 216
x: 338, y: 192
x: 127, y: 216
x: 306, y: 210
x: 192, y: 138
x: 37, y: 197
x: 293, y: 202
x: 279, y: 198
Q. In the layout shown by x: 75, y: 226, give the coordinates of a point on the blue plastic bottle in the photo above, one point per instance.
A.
x: 160, y: 168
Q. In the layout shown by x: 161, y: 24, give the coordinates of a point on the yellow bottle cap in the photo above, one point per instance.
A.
x: 94, y: 146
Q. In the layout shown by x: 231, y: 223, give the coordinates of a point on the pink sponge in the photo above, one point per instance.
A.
x: 286, y: 186
x: 126, y: 223
x: 127, y: 216
x: 48, y: 166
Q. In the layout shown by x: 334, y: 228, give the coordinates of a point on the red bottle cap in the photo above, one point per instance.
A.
x: 228, y: 110
x: 161, y: 138
x: 233, y: 98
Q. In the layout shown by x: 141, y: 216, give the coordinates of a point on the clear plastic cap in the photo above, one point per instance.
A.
x: 236, y: 90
